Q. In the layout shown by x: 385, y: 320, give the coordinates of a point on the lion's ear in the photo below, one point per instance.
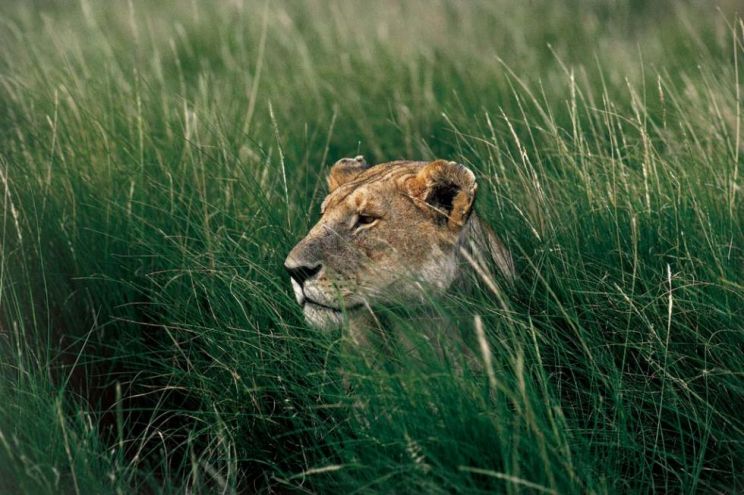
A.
x: 344, y: 170
x: 447, y: 190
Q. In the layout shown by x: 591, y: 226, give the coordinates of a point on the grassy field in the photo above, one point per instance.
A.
x: 159, y: 159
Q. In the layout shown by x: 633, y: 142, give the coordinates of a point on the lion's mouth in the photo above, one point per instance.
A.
x: 308, y: 302
x: 312, y: 303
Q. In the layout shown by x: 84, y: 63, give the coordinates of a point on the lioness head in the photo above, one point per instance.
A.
x: 389, y: 232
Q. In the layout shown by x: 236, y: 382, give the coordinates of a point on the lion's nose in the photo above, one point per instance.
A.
x: 301, y: 272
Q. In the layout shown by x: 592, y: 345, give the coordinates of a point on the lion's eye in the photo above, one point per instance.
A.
x: 365, y: 220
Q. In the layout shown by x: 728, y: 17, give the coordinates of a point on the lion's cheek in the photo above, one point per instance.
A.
x: 374, y: 252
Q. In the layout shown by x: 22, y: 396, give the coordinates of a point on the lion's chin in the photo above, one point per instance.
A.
x: 322, y: 317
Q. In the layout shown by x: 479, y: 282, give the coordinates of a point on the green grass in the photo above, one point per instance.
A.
x: 159, y: 159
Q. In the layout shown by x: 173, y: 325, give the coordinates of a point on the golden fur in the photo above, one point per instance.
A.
x: 389, y: 232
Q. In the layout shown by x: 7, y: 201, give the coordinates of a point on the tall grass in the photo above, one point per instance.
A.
x: 158, y: 161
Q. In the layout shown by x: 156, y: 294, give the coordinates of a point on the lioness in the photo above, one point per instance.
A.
x: 391, y: 232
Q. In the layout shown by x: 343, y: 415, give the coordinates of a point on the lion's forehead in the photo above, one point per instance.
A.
x: 383, y: 177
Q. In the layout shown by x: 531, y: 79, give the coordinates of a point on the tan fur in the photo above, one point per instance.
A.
x: 389, y: 232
